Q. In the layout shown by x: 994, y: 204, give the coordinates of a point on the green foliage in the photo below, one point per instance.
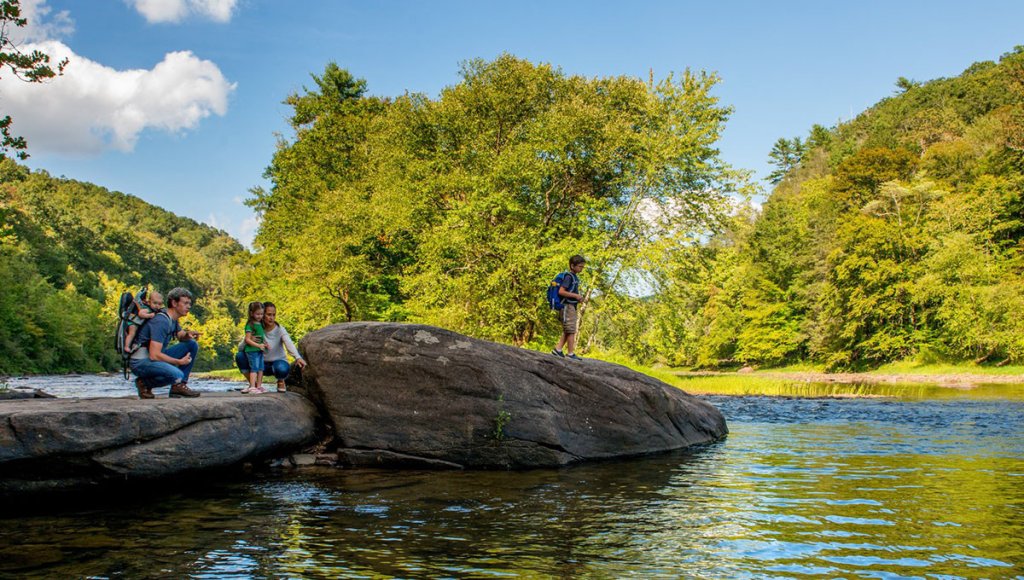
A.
x: 68, y: 249
x: 785, y: 156
x: 501, y: 419
x: 457, y: 211
x: 859, y: 177
x: 904, y: 84
x: 899, y: 234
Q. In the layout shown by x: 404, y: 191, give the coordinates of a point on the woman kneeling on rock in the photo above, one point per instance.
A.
x: 275, y: 361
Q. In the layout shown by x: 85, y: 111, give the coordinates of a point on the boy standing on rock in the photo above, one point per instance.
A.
x: 569, y: 292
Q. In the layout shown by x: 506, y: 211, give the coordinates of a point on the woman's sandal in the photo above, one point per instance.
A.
x: 281, y: 388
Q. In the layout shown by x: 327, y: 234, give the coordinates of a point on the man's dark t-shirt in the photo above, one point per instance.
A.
x: 571, y: 284
x: 159, y: 328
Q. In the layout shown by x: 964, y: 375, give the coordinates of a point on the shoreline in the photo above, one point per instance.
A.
x: 205, y: 375
x: 964, y: 380
x: 951, y: 380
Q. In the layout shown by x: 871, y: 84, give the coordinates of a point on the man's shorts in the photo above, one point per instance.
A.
x: 569, y: 319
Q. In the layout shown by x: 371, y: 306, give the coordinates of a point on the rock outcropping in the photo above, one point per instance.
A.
x: 60, y: 444
x: 414, y: 395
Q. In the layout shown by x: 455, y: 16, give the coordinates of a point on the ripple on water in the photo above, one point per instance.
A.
x: 107, y: 385
x: 853, y: 487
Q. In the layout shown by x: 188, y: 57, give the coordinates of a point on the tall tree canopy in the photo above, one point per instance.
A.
x: 457, y: 210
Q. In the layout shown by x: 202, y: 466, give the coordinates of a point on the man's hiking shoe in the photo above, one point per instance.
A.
x: 182, y: 390
x: 144, y: 391
x: 557, y: 352
x: 573, y: 356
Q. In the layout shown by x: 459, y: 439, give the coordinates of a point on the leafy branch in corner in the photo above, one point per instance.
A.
x: 32, y: 67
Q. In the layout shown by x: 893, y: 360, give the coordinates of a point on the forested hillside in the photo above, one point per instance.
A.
x: 897, y: 234
x: 67, y: 251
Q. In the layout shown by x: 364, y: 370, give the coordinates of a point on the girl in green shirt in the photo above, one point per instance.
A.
x: 255, y: 346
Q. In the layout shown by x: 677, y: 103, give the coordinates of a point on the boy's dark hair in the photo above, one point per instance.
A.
x: 577, y: 260
x: 269, y: 305
x: 177, y: 294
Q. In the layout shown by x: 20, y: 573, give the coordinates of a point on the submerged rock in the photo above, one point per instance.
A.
x: 59, y: 444
x: 14, y: 394
x: 417, y: 395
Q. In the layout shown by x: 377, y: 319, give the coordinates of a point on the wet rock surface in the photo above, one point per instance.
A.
x: 414, y: 395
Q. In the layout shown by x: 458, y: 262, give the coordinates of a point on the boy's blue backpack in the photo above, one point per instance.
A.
x: 555, y: 301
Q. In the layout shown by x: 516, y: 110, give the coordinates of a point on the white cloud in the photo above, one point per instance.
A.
x: 242, y: 226
x: 42, y: 25
x: 93, y: 107
x: 213, y: 222
x: 246, y: 232
x: 177, y: 10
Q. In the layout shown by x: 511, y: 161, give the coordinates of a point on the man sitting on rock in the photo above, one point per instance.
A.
x: 157, y: 365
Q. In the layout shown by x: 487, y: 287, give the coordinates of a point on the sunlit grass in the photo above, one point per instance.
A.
x: 230, y: 374
x: 755, y: 384
x: 922, y: 368
x: 795, y: 368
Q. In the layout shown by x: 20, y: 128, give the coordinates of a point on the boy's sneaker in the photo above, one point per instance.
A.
x: 573, y: 357
x: 557, y: 352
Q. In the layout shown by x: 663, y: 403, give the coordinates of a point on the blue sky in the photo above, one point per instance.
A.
x: 178, y: 101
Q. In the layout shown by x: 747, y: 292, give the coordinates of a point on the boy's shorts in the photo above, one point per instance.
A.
x: 569, y: 319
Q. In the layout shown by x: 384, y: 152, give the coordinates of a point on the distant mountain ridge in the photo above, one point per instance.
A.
x: 71, y: 248
x: 897, y: 234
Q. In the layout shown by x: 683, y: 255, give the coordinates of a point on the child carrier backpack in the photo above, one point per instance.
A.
x: 555, y: 301
x: 127, y: 309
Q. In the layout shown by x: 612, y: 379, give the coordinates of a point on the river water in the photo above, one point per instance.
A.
x: 921, y: 486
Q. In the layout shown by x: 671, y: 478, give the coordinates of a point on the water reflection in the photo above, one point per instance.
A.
x: 865, y: 487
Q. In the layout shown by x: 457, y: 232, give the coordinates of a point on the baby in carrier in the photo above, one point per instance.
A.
x: 147, y: 304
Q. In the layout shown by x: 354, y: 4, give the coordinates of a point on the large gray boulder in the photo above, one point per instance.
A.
x: 58, y: 444
x: 414, y: 395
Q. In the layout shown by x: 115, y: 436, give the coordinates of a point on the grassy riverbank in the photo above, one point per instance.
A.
x: 229, y: 374
x: 901, y: 379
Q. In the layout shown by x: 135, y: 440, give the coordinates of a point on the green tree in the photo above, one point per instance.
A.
x: 903, y: 84
x: 455, y: 211
x: 785, y: 156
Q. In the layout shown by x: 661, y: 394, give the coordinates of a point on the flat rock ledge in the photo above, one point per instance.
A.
x: 406, y: 395
x: 69, y: 444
